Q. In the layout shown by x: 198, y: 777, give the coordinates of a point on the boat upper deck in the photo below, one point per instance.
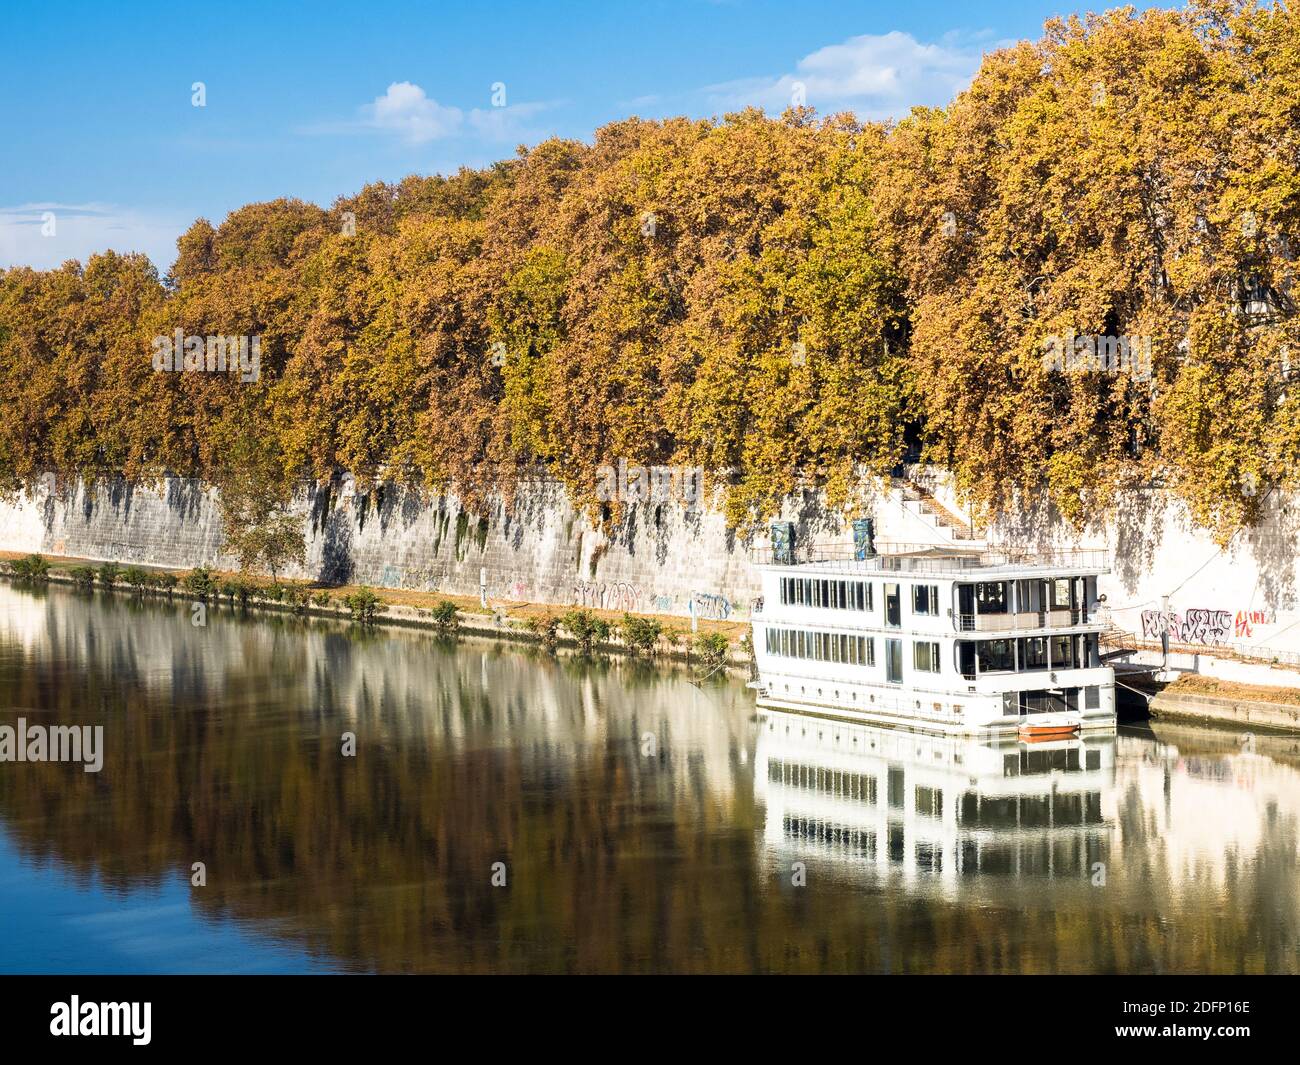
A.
x: 961, y: 563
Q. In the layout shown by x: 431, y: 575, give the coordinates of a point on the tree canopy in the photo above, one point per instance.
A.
x: 785, y: 302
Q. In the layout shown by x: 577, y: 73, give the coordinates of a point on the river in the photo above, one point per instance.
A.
x: 280, y: 794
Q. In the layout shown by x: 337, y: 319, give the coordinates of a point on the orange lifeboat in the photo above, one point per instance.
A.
x: 1048, y: 727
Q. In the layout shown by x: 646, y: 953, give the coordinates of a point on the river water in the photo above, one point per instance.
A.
x: 509, y: 811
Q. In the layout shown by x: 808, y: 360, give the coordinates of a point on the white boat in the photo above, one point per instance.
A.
x: 949, y: 639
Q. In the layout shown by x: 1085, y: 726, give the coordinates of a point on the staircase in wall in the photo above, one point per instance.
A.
x: 947, y: 526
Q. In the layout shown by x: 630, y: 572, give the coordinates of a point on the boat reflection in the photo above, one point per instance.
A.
x: 932, y: 809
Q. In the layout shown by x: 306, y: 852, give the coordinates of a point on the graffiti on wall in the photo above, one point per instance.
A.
x: 607, y: 595
x: 1209, y: 627
x: 714, y: 607
x: 620, y: 595
x: 1247, y: 619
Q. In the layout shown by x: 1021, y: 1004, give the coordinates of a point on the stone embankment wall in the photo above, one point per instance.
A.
x: 667, y: 559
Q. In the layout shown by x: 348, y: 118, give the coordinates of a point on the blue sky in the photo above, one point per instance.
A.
x: 314, y: 100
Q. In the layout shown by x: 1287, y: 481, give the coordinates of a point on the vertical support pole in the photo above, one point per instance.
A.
x: 1164, y: 632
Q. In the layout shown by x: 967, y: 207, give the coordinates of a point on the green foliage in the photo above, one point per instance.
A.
x: 546, y: 628
x: 713, y: 647
x: 364, y: 605
x: 200, y: 583
x: 108, y: 574
x: 165, y: 582
x: 321, y: 599
x: 31, y: 568
x: 446, y: 617
x: 586, y: 628
x: 238, y: 590
x: 136, y: 578
x: 82, y: 576
x: 641, y: 634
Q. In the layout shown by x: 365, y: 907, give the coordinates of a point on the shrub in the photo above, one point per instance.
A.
x: 296, y: 597
x: 446, y: 617
x: 237, y: 590
x: 363, y: 605
x: 672, y: 637
x: 712, y: 647
x: 108, y: 574
x: 199, y: 582
x: 546, y: 628
x: 31, y: 568
x: 641, y: 634
x: 586, y: 628
x: 82, y: 576
x: 321, y: 599
x: 165, y: 582
x: 137, y: 578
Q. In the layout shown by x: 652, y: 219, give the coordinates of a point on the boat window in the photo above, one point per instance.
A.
x: 1033, y: 653
x: 966, y: 659
x: 1089, y: 657
x: 894, y: 660
x: 1061, y: 593
x: 1064, y: 652
x: 925, y: 656
x: 991, y: 597
x: 867, y: 644
x: 925, y: 599
x: 893, y: 606
x: 996, y: 656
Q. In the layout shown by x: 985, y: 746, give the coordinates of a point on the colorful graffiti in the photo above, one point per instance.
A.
x: 714, y: 607
x: 1210, y: 627
x: 1246, y: 619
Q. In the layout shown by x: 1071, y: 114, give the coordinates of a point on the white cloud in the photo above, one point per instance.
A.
x: 46, y: 235
x: 406, y: 110
x: 875, y: 75
x: 408, y: 113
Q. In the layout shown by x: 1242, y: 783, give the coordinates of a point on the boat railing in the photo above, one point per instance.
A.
x: 911, y: 557
x: 903, y: 698
x: 1024, y: 620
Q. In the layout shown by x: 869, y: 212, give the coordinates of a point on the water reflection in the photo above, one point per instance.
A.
x: 938, y: 811
x: 646, y: 823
